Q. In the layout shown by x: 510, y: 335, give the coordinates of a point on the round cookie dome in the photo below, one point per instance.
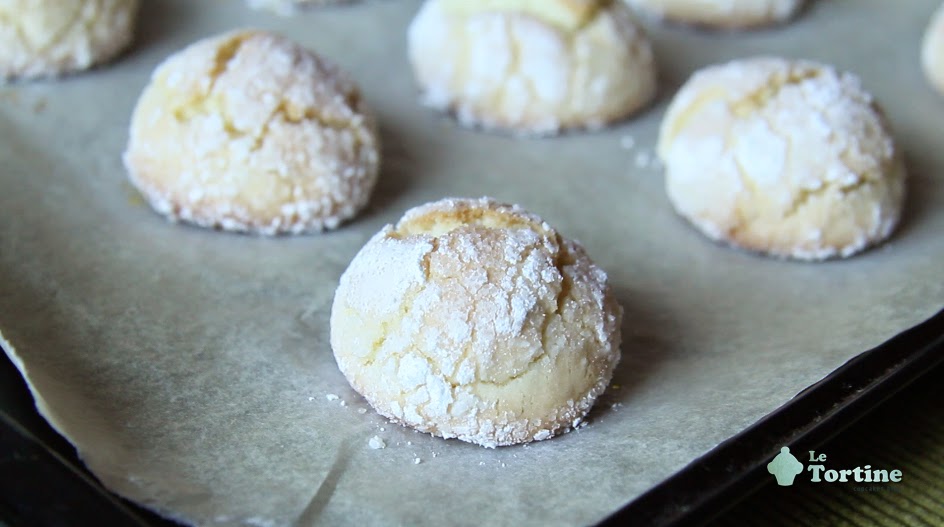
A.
x: 786, y: 157
x: 533, y: 67
x: 44, y: 38
x: 721, y: 14
x: 249, y: 131
x: 932, y: 51
x: 476, y: 320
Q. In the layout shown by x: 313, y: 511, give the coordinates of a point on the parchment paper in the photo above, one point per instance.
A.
x: 191, y: 368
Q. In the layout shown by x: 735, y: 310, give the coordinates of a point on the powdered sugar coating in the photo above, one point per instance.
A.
x: 723, y: 14
x: 531, y: 67
x: 932, y: 51
x: 248, y: 131
x: 786, y: 157
x: 476, y: 320
x: 45, y: 38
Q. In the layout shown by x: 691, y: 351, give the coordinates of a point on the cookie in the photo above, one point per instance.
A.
x: 251, y: 132
x: 47, y: 38
x: 531, y: 67
x: 932, y: 51
x: 790, y: 158
x: 476, y: 320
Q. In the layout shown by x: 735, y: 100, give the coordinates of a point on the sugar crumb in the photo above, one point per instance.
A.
x: 376, y: 443
x: 332, y: 397
x: 417, y: 461
x: 362, y: 411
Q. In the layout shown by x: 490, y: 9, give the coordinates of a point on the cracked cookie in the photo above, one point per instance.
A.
x: 532, y: 67
x: 46, y: 38
x: 720, y: 14
x: 476, y: 320
x: 250, y: 132
x: 785, y: 157
x: 932, y: 51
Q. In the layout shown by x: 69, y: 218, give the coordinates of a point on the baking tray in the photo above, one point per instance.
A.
x: 38, y: 463
x: 649, y: 253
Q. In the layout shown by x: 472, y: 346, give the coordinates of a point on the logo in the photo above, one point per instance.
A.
x: 785, y: 467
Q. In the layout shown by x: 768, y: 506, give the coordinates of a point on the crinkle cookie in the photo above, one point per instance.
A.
x: 532, y: 67
x: 251, y: 132
x: 785, y: 157
x: 46, y: 38
x: 932, y: 51
x: 721, y: 14
x: 476, y: 320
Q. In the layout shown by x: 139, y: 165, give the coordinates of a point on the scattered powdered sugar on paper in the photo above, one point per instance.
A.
x: 256, y: 521
x: 646, y: 159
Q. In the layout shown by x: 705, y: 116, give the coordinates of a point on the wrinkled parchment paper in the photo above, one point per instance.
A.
x: 191, y: 369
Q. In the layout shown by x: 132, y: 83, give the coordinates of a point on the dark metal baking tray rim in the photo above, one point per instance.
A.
x: 32, y: 472
x: 714, y: 482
